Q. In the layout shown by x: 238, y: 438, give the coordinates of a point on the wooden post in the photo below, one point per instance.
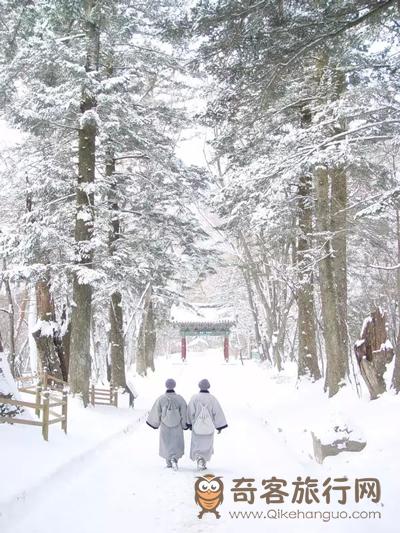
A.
x: 111, y: 396
x: 226, y: 348
x: 45, y: 423
x: 45, y: 379
x: 183, y: 348
x: 64, y: 411
x: 92, y: 396
x: 116, y: 397
x: 38, y: 400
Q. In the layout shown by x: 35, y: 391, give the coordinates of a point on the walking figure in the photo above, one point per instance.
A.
x: 169, y: 413
x: 204, y: 416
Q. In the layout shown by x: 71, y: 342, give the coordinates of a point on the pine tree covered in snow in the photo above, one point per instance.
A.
x: 301, y: 98
x: 92, y: 84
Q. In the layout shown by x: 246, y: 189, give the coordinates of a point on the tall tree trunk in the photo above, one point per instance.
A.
x: 32, y: 320
x: 143, y: 336
x: 22, y: 313
x: 80, y: 356
x: 267, y: 309
x: 118, y: 378
x: 46, y: 330
x: 117, y: 344
x: 261, y: 347
x: 308, y: 357
x: 65, y: 341
x: 336, y: 368
x: 151, y: 337
x: 339, y: 245
x: 338, y: 210
x: 11, y: 323
x: 374, y: 353
x: 396, y: 371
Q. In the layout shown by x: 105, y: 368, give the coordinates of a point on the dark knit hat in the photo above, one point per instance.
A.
x: 204, y: 384
x: 170, y: 383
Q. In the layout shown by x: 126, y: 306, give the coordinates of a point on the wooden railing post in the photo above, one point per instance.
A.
x: 38, y: 400
x: 45, y: 423
x: 92, y: 395
x: 111, y: 395
x: 64, y: 411
x: 116, y: 397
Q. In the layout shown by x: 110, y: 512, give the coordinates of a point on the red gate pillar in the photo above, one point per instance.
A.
x: 183, y: 348
x: 226, y: 348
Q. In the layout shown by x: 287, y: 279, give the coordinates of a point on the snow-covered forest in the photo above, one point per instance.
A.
x: 160, y: 157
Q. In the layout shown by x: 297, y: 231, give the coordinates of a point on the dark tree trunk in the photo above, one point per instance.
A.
x: 336, y: 368
x: 11, y: 322
x: 396, y: 371
x: 22, y: 314
x: 65, y: 341
x: 373, y: 354
x: 80, y: 354
x: 308, y: 357
x: 339, y: 246
x: 268, y: 313
x: 47, y: 330
x: 151, y: 337
x: 117, y: 341
x: 146, y: 336
x: 117, y: 344
x: 264, y: 354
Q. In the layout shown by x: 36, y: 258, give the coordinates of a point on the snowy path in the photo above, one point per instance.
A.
x: 125, y: 486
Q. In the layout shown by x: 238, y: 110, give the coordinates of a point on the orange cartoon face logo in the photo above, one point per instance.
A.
x: 209, y: 494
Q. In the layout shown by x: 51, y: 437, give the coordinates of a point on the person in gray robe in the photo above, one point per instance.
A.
x: 204, y: 416
x: 169, y: 414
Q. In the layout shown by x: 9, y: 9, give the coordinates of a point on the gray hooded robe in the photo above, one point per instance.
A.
x: 202, y: 445
x: 172, y: 443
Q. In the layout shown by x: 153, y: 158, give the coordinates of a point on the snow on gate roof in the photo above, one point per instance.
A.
x: 208, y: 315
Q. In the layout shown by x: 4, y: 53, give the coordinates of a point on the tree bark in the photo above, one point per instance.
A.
x: 80, y: 356
x: 396, y: 371
x: 373, y: 353
x: 261, y: 347
x: 151, y: 337
x: 339, y: 246
x: 11, y: 321
x: 145, y: 339
x: 308, y: 357
x: 65, y: 340
x: 118, y: 378
x: 267, y: 309
x: 117, y: 345
x: 336, y: 368
x: 46, y: 330
x: 22, y: 313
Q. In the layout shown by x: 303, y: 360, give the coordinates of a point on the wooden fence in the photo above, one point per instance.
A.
x: 47, y: 389
x: 104, y: 396
x: 45, y: 380
x: 44, y: 404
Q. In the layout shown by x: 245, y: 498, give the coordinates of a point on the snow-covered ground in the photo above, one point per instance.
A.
x: 106, y: 475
